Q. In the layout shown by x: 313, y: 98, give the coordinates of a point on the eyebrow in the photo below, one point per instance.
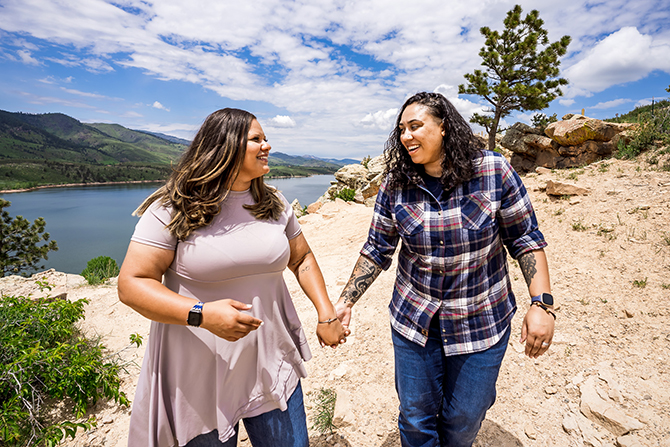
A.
x: 415, y: 120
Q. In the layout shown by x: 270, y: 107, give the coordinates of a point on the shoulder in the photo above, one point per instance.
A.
x: 158, y: 211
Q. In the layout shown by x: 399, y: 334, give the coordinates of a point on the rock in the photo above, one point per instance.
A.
x: 314, y: 207
x: 589, y: 434
x: 603, y: 412
x: 343, y: 415
x: 353, y: 176
x: 338, y: 372
x: 628, y: 313
x: 574, y: 132
x: 541, y: 170
x: 297, y: 209
x: 630, y: 441
x: 565, y: 189
x: 530, y: 431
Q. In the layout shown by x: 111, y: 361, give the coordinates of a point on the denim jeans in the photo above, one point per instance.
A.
x: 272, y: 429
x: 443, y: 399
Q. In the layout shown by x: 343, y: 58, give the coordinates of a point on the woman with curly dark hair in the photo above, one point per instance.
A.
x: 206, y: 264
x: 455, y: 207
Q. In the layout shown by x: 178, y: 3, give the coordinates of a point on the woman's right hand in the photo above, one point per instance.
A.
x: 225, y: 319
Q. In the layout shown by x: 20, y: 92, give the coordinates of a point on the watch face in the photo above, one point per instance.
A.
x: 194, y: 318
x: 547, y: 299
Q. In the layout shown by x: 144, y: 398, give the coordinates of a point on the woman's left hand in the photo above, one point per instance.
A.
x: 331, y: 334
x: 537, y: 331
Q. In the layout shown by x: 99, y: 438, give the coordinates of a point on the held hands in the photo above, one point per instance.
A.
x: 224, y: 319
x: 537, y: 331
x: 332, y: 333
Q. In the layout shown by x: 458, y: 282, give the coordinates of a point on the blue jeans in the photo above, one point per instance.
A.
x: 443, y: 399
x: 275, y: 428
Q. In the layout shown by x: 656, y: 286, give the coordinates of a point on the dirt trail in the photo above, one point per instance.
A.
x: 609, y: 254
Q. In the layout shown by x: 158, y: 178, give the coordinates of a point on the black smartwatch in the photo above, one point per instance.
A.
x: 543, y: 298
x: 195, y: 315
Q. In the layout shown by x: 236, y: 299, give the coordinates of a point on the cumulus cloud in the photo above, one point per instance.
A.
x: 281, y: 121
x: 382, y: 119
x: 623, y: 56
x: 159, y: 106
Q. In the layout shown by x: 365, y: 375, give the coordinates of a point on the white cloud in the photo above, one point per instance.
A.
x: 159, y: 106
x: 623, y: 56
x: 281, y: 121
x: 382, y: 119
x: 611, y: 104
x: 566, y: 102
x: 26, y: 57
x: 80, y: 93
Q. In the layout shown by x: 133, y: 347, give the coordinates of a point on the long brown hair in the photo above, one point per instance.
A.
x: 206, y: 172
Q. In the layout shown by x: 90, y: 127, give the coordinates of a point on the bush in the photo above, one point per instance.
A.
x: 541, y: 121
x: 100, y: 269
x: 346, y: 194
x: 44, y: 359
x: 324, y: 410
x: 651, y: 128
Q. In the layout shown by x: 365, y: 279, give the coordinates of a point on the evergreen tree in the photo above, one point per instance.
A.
x: 19, y: 249
x: 517, y: 76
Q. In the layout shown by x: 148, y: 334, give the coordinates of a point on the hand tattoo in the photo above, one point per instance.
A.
x: 527, y: 263
x: 364, y: 274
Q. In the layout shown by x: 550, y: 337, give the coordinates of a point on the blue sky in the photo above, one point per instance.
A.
x: 324, y: 78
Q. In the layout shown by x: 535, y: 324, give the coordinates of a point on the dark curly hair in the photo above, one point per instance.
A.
x: 206, y: 172
x: 459, y: 146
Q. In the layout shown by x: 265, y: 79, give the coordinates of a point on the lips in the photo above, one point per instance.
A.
x: 413, y: 148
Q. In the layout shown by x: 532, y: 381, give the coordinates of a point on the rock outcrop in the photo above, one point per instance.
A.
x: 577, y: 140
x: 364, y: 180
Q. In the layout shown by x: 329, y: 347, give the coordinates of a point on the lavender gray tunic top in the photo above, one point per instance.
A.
x: 193, y: 382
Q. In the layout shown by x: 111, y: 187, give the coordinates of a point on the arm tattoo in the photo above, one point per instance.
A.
x: 527, y: 263
x: 364, y: 274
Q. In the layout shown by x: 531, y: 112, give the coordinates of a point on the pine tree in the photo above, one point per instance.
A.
x: 517, y: 76
x: 19, y: 249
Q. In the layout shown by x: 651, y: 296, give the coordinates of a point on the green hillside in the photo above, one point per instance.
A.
x: 55, y: 149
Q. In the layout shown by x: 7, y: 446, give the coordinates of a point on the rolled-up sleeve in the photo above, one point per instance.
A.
x: 518, y: 225
x: 383, y: 236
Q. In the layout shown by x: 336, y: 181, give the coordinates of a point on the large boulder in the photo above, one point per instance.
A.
x: 363, y: 179
x: 579, y: 129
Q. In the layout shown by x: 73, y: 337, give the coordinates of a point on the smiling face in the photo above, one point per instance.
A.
x: 421, y: 134
x: 255, y: 158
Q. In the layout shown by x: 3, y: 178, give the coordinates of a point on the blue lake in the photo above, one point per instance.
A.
x: 91, y: 221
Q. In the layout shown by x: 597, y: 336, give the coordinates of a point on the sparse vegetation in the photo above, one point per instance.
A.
x: 578, y: 225
x: 640, y: 283
x: 100, y: 269
x: 346, y: 194
x: 324, y: 410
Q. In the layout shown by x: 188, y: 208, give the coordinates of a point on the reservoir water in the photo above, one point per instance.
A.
x: 92, y: 221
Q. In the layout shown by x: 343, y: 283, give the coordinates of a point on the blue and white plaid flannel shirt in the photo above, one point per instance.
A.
x: 452, y: 258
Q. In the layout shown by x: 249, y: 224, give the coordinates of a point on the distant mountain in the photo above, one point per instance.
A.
x: 170, y: 138
x: 53, y: 148
x: 337, y: 161
x: 58, y: 137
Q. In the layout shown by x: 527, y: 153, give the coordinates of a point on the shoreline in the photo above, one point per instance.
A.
x: 65, y: 185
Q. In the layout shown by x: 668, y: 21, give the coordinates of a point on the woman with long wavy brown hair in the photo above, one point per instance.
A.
x: 454, y: 208
x: 205, y: 264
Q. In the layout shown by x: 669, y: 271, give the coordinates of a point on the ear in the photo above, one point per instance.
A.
x: 442, y: 130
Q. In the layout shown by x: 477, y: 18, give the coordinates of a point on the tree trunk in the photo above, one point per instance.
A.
x: 494, y: 130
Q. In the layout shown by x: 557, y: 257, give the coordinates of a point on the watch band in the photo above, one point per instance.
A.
x: 195, y: 315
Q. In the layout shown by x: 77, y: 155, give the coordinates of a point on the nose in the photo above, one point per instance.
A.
x: 405, y: 135
x: 265, y: 145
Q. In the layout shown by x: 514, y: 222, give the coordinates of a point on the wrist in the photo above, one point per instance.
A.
x: 539, y: 305
x: 545, y: 298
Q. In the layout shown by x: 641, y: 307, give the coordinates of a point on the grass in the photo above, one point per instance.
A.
x: 579, y: 226
x: 640, y: 283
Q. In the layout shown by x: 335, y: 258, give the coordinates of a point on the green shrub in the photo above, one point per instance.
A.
x: 346, y: 194
x: 100, y: 269
x: 324, y: 410
x: 541, y: 121
x: 44, y: 360
x: 651, y: 128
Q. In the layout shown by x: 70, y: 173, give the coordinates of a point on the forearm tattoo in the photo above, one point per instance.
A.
x: 299, y: 261
x: 527, y: 263
x: 364, y: 274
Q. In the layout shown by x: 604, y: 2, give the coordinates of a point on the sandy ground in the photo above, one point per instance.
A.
x: 609, y: 254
